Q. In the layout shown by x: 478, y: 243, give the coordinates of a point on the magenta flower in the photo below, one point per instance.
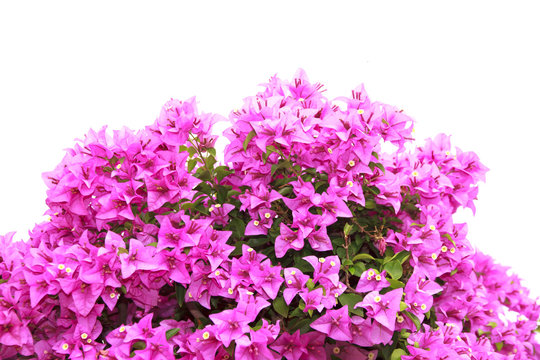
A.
x: 288, y: 239
x: 327, y: 268
x: 85, y: 297
x: 13, y: 331
x: 160, y: 190
x: 313, y: 299
x: 315, y: 346
x: 250, y: 305
x: 382, y: 308
x: 362, y: 332
x: 261, y: 223
x: 204, y: 343
x: 254, y: 349
x: 371, y: 280
x: 268, y: 278
x: 139, y: 257
x: 319, y: 240
x: 292, y: 347
x: 335, y: 324
x: 295, y: 282
x: 231, y: 325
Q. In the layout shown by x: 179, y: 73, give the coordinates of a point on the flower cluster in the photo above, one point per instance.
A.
x: 309, y: 242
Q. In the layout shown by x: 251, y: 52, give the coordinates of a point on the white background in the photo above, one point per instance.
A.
x: 465, y: 68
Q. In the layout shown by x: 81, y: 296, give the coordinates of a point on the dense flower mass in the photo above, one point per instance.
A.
x: 309, y: 242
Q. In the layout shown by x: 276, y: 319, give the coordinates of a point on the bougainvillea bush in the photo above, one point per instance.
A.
x: 308, y: 242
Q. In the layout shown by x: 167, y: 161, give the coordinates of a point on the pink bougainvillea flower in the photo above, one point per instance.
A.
x: 319, y: 240
x: 254, y: 347
x: 335, y: 324
x: 325, y: 267
x: 268, y: 278
x: 372, y: 280
x: 139, y: 257
x: 313, y: 299
x: 288, y: 239
x: 382, y: 308
x: 292, y: 347
x: 295, y: 283
x: 231, y: 325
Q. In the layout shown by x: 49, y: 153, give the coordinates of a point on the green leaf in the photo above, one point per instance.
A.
x: 403, y: 306
x: 449, y: 237
x: 401, y: 256
x: 499, y: 345
x: 222, y: 192
x: 380, y: 166
x: 394, y: 269
x: 187, y: 206
x: 191, y: 164
x: 204, y: 188
x: 237, y: 226
x: 171, y: 332
x: 222, y: 172
x: 180, y: 294
x: 282, y: 164
x: 270, y: 149
x: 255, y: 242
x: 232, y: 193
x: 404, y: 334
x: 303, y: 266
x: 347, y: 262
x: 286, y: 190
x: 248, y: 138
x: 397, y: 353
x: 302, y: 325
x: 203, y: 174
x: 296, y: 313
x: 363, y: 256
x: 395, y: 284
x: 375, y: 190
x: 370, y: 204
x: 281, y: 307
x: 238, y: 248
x: 210, y: 161
x: 350, y: 299
x: 192, y: 151
x: 414, y: 319
x: 139, y: 345
x: 493, y: 324
x: 347, y: 229
x: 360, y: 268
